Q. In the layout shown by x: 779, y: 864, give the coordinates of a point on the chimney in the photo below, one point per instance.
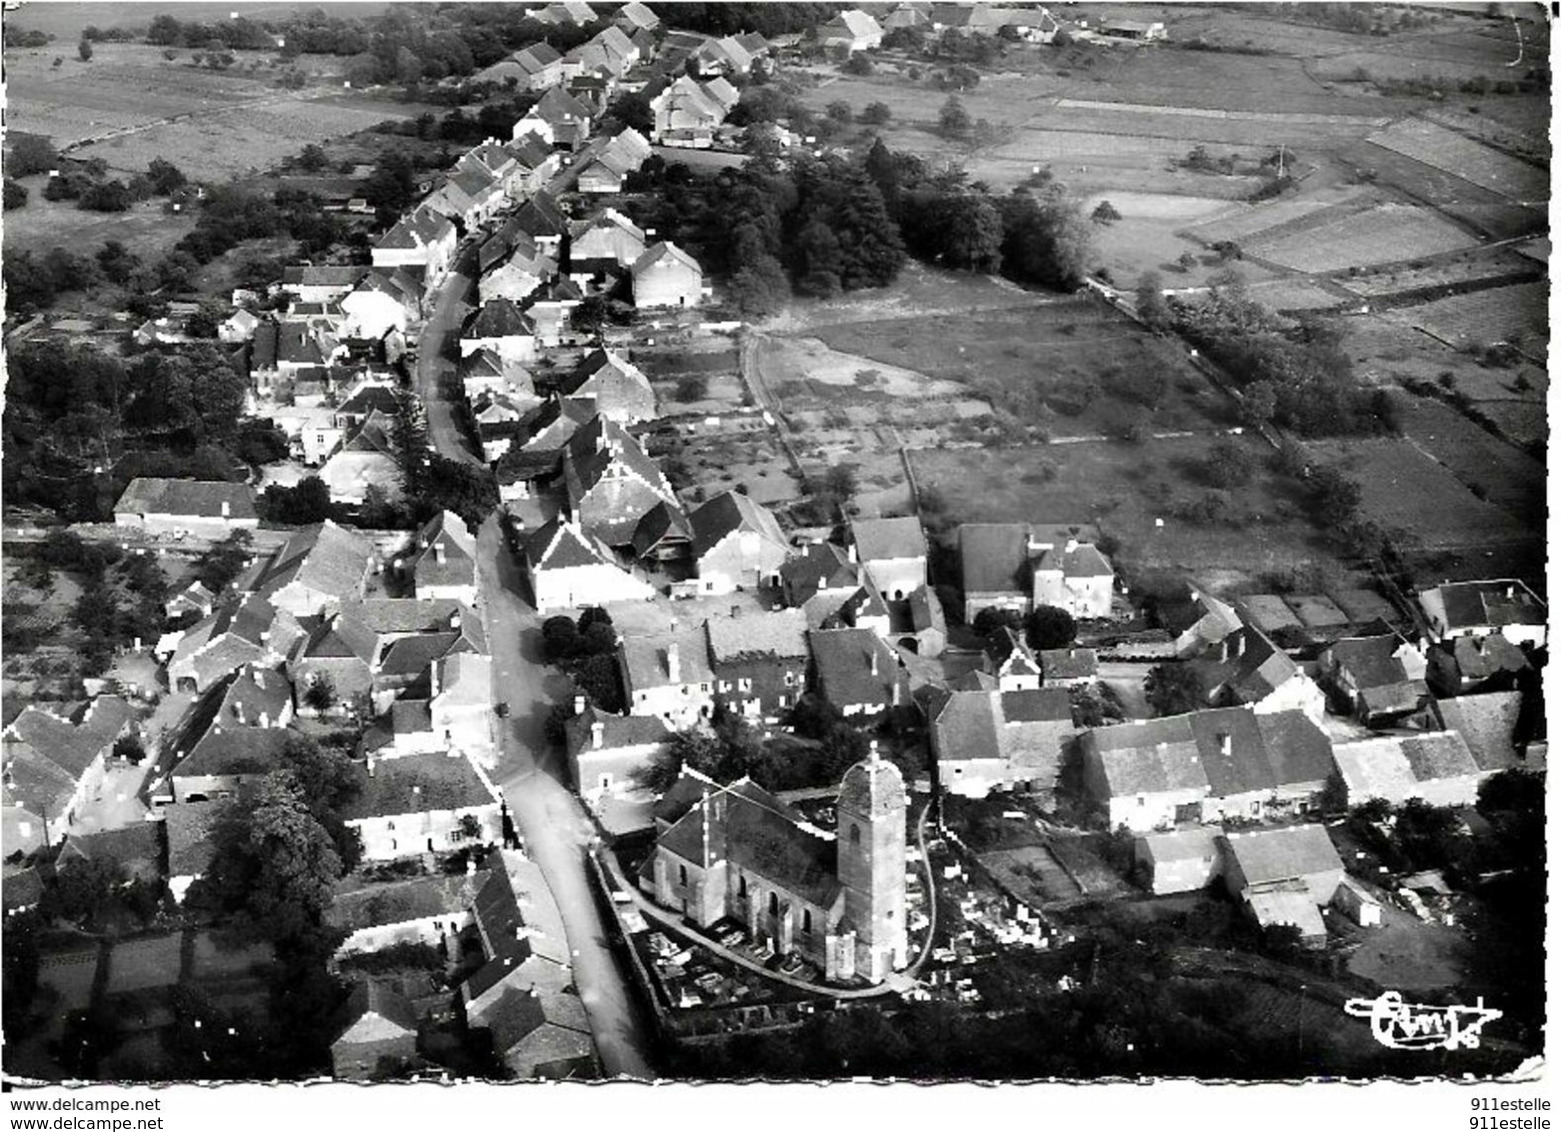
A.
x: 265, y: 719
x: 1071, y: 545
x: 597, y: 731
x: 579, y: 704
x: 674, y: 669
x: 439, y: 553
x: 851, y: 551
x: 1224, y: 745
x: 371, y: 766
x: 1511, y: 591
x: 874, y: 661
x: 455, y: 619
x: 894, y: 697
x: 471, y: 866
x: 872, y: 750
x: 227, y: 509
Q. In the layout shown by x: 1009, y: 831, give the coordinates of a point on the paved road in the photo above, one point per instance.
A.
x: 441, y: 332
x: 549, y: 818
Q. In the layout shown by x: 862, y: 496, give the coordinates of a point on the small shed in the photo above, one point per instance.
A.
x: 1181, y: 861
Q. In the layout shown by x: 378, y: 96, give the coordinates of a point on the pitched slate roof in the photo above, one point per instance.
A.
x: 70, y: 745
x: 663, y: 522
x: 390, y: 615
x: 446, y: 531
x: 843, y: 661
x: 417, y: 784
x: 1488, y: 724
x: 821, y: 565
x: 647, y: 663
x: 371, y: 397
x: 357, y: 905
x: 499, y: 318
x: 541, y: 216
x: 1494, y: 603
x: 193, y: 498
x: 228, y: 750
x: 877, y: 539
x: 750, y: 827
x: 728, y: 513
x: 558, y: 107
x: 994, y: 558
x: 665, y: 250
x: 417, y: 229
x: 1370, y: 661
x: 561, y: 545
x: 1149, y: 757
x: 600, y: 444
x: 1482, y: 658
x: 783, y: 633
x: 1196, y: 844
x: 1260, y: 670
x: 324, y: 557
x: 618, y: 731
x: 138, y: 847
x: 375, y: 1012
x: 1268, y: 856
x: 1083, y: 561
x: 189, y: 828
x: 1067, y: 664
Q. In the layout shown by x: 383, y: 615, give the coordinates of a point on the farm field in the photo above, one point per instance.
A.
x: 1477, y: 264
x: 1403, y: 488
x: 1498, y: 217
x: 1519, y: 315
x: 1295, y: 295
x: 1148, y: 237
x: 1485, y: 464
x: 1244, y: 221
x: 42, y: 224
x: 1386, y: 233
x: 1123, y: 490
x: 1047, y: 364
x: 1453, y: 153
x: 1517, y: 124
x: 67, y: 20
x: 919, y: 291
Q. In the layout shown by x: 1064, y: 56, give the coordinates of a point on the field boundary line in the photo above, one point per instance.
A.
x: 1273, y: 116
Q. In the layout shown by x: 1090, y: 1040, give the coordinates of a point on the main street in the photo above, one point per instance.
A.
x: 549, y: 818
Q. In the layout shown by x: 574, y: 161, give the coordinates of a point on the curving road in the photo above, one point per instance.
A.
x: 549, y: 818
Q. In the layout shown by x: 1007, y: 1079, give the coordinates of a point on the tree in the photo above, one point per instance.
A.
x: 1174, y: 688
x: 320, y: 695
x: 1227, y: 464
x: 32, y: 153
x: 858, y: 64
x: 839, y: 110
x: 1047, y: 241
x: 307, y: 501
x: 953, y: 119
x: 759, y: 288
x: 560, y: 638
x: 1105, y: 212
x: 692, y: 387
x: 313, y: 159
x: 1049, y: 627
x: 166, y: 177
x: 1259, y: 402
x: 1150, y: 301
x: 876, y: 114
x: 15, y: 194
x: 107, y: 196
x: 972, y: 233
x: 220, y: 564
x: 84, y: 50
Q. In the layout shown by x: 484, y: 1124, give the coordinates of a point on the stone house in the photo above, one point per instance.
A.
x: 212, y: 509
x: 985, y: 739
x: 428, y: 803
x: 1182, y: 860
x: 737, y: 542
x: 859, y: 673
x: 621, y: 392
x: 378, y: 1033
x: 760, y: 662
x: 668, y: 675
x: 1479, y: 609
x: 444, y: 560
x: 610, y: 482
x: 667, y: 276
x: 893, y: 552
x: 54, y: 765
x: 568, y: 569
x: 1381, y: 678
x: 607, y: 751
x: 1283, y: 875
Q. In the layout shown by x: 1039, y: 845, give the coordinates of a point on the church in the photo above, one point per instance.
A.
x: 738, y: 852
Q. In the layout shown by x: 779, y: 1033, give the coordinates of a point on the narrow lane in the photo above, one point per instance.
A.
x: 437, y: 348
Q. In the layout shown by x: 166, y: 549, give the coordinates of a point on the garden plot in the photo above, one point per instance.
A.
x: 143, y: 963
x: 1216, y: 127
x: 1526, y: 134
x: 1124, y: 489
x: 1478, y: 264
x: 1490, y: 467
x: 1519, y: 315
x: 1464, y: 157
x: 1149, y: 237
x: 1244, y: 221
x: 1405, y: 489
x: 1491, y: 213
x: 830, y: 376
x: 1387, y: 233
x: 145, y: 229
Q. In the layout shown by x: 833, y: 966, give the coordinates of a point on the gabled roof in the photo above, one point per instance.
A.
x: 358, y: 905
x: 396, y: 616
x: 1067, y: 664
x: 878, y: 539
x: 1083, y: 561
x: 1291, y: 852
x: 499, y: 318
x: 558, y: 108
x: 1196, y: 844
x: 70, y: 745
x: 324, y: 557
x: 1484, y: 657
x: 994, y: 558
x: 783, y: 633
x: 562, y: 545
x: 417, y: 229
x: 376, y: 1012
x: 647, y: 659
x: 748, y: 826
x: 205, y: 499
x: 728, y: 513
x: 637, y: 15
x: 446, y: 532
x: 618, y: 731
x: 608, y: 370
x: 665, y: 251
x: 370, y: 397
x: 854, y: 23
x: 1488, y: 724
x: 1486, y: 604
x: 418, y: 784
x: 821, y: 565
x: 227, y: 750
x: 138, y: 847
x: 662, y: 523
x: 599, y: 445
x: 844, y: 658
x: 541, y: 216
x: 189, y: 828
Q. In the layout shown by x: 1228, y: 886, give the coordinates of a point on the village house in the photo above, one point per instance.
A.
x: 737, y: 543
x: 607, y: 752
x: 568, y: 569
x: 1435, y: 766
x: 367, y: 399
x: 426, y: 909
x: 1023, y: 567
x: 1142, y: 31
x: 544, y: 1037
x: 1502, y: 606
x: 213, y: 509
x: 859, y: 673
x: 461, y: 707
x: 54, y: 766
x: 605, y: 172
x: 893, y: 552
x: 1283, y: 875
x: 1066, y: 667
x: 501, y: 326
x: 1381, y: 678
x: 223, y: 759
x: 550, y: 311
x: 136, y: 851
x: 238, y: 327
x: 1008, y: 658
x: 1181, y: 860
x: 558, y: 118
x: 1466, y: 665
x: 512, y: 267
x: 1215, y: 622
x: 917, y: 623
x: 621, y: 392
x: 635, y: 16
x: 667, y: 276
x: 819, y: 580
x: 668, y: 675
x: 323, y: 283
x: 664, y: 537
x: 378, y: 1034
x: 1249, y: 669
x: 250, y: 632
x: 1206, y: 766
x: 835, y: 898
x: 686, y: 112
x: 536, y: 450
x: 609, y: 481
x: 760, y: 662
x: 319, y: 567
x: 544, y: 221
x: 427, y: 803
x: 984, y: 738
x: 444, y: 560
x: 849, y: 32
x: 532, y: 68
x: 386, y: 299
x: 366, y: 459
x: 602, y: 246
x: 193, y: 600
x: 421, y: 238
x: 188, y: 827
